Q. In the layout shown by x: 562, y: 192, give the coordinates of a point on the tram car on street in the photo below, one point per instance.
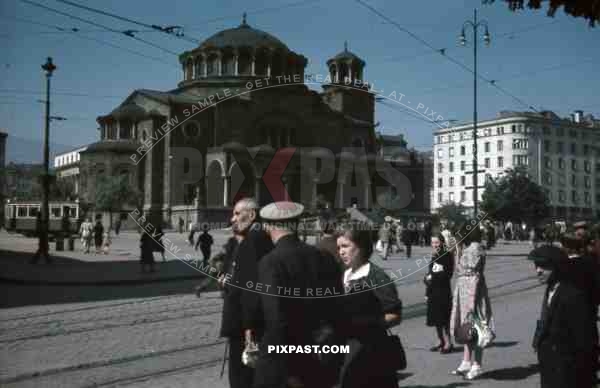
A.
x: 21, y: 217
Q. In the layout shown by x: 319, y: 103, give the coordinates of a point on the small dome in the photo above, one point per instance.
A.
x: 243, y: 36
x: 346, y: 55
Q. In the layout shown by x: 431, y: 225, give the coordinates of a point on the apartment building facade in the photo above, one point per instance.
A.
x: 561, y: 155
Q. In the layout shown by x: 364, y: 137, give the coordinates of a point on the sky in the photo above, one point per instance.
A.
x: 547, y: 63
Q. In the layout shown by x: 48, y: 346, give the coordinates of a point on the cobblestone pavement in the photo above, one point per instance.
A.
x: 161, y: 335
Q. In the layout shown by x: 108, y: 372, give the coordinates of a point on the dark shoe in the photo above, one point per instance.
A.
x: 447, y: 350
x: 436, y: 348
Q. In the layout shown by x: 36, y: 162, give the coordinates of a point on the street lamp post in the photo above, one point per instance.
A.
x: 48, y: 67
x: 463, y: 40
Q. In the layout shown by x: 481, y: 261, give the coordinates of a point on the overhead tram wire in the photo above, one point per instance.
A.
x: 128, y: 33
x: 76, y: 32
x: 451, y: 59
x: 258, y: 11
x: 169, y: 30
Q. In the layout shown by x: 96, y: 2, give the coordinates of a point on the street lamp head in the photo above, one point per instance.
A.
x: 486, y: 37
x: 462, y: 39
x: 49, y: 67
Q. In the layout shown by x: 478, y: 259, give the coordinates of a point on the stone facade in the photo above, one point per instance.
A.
x: 193, y: 153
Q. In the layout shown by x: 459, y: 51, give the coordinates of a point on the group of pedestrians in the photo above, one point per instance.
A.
x: 266, y: 250
x: 393, y: 232
x: 94, y: 233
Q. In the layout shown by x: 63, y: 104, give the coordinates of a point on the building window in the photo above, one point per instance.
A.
x: 574, y: 180
x: 440, y: 182
x: 462, y: 165
x: 451, y: 181
x: 560, y: 132
x: 499, y: 146
x: 587, y: 198
x: 487, y: 162
x: 520, y: 160
x: 587, y: 182
x: 451, y: 197
x: 547, y: 162
x: 561, y: 180
x: 574, y: 148
x: 573, y: 134
x: 547, y: 145
x: 561, y: 163
x: 573, y: 164
x: 451, y: 167
x: 440, y: 153
x: 513, y: 128
x: 463, y: 196
x: 486, y: 146
x: 586, y: 150
x: 546, y: 131
x: 463, y: 180
x: 500, y: 161
x: 451, y: 152
x: 574, y: 196
x: 559, y: 147
x: 462, y: 150
x: 587, y: 166
x: 440, y: 168
x: 561, y: 196
x: 548, y: 194
x: 440, y: 197
x: 547, y: 178
x: 520, y: 144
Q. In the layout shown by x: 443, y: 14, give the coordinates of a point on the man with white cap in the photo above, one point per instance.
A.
x: 294, y: 277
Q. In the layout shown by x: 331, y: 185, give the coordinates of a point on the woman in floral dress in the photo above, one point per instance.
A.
x: 470, y: 294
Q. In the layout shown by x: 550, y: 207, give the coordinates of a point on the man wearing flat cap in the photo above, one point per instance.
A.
x: 294, y: 277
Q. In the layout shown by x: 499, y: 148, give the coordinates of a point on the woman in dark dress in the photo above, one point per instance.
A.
x: 98, y: 234
x: 439, y: 293
x: 158, y: 244
x: 371, y: 307
x: 147, y: 251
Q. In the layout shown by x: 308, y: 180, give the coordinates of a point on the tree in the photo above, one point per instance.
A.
x: 113, y: 192
x: 454, y: 214
x: 62, y: 190
x: 515, y: 197
x: 588, y: 9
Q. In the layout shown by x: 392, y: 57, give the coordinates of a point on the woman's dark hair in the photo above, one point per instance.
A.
x: 360, y: 234
x: 468, y: 233
x: 442, y: 248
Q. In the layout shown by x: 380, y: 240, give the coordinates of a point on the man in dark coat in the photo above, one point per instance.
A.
x: 566, y: 334
x: 293, y: 276
x: 242, y: 317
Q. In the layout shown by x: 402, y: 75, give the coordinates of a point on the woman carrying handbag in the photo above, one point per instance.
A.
x: 371, y: 308
x: 471, y: 309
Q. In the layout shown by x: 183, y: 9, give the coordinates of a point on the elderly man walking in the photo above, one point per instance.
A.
x: 242, y: 320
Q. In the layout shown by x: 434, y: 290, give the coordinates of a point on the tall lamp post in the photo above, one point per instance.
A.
x: 463, y: 41
x: 48, y: 67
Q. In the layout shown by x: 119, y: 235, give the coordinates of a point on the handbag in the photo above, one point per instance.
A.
x: 393, y: 356
x: 466, y: 333
x: 379, y: 246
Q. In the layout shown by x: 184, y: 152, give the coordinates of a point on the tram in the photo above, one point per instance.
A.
x: 21, y: 217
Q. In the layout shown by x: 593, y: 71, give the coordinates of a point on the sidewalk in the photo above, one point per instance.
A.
x: 121, y: 266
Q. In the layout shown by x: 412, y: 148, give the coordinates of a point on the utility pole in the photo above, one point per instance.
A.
x: 43, y: 224
x: 486, y: 37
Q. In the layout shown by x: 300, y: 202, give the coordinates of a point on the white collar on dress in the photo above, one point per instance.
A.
x: 360, y: 272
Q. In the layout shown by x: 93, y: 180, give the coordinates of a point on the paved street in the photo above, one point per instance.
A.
x: 161, y: 335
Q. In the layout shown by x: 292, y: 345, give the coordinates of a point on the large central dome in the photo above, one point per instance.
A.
x: 243, y: 36
x: 238, y: 53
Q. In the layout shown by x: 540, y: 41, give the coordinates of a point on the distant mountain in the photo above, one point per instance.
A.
x: 19, y: 150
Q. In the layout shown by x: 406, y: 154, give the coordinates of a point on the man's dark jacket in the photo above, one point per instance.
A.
x: 293, y: 265
x: 566, y: 337
x: 241, y: 307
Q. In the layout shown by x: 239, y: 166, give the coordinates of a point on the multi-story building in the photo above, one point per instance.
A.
x: 561, y: 155
x: 66, y: 166
x: 23, y: 181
